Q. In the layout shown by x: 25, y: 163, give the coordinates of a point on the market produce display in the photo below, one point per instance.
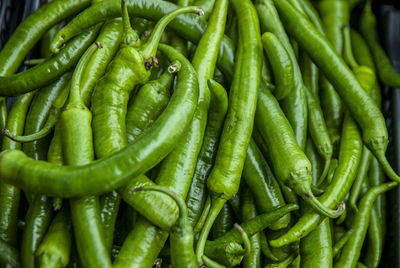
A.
x: 247, y: 133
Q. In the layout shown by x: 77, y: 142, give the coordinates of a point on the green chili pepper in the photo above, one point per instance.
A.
x: 360, y: 178
x: 361, y: 106
x: 295, y: 105
x: 147, y: 105
x: 281, y: 65
x: 368, y: 29
x: 349, y: 158
x: 48, y: 71
x: 10, y: 195
x: 290, y: 164
x: 316, y: 163
x: 37, y: 220
x: 319, y: 132
x: 261, y: 181
x: 376, y: 232
x: 224, y: 178
x: 375, y: 239
x: 55, y: 248
x: 352, y: 249
x: 249, y: 212
x: 78, y: 150
x: 9, y: 256
x: 181, y: 236
x: 266, y: 249
x: 312, y: 14
x: 223, y: 223
x: 109, y: 37
x: 316, y: 247
x: 334, y: 14
x: 55, y: 154
x: 175, y: 173
x: 197, y: 194
x: 339, y: 244
x: 46, y: 40
x: 310, y: 72
x: 188, y: 26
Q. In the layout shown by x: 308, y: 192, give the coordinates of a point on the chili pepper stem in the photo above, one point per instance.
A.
x: 315, y: 204
x: 245, y: 238
x: 129, y: 36
x: 150, y: 47
x: 216, y: 206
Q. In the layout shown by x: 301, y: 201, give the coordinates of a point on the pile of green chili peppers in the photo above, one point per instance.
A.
x: 243, y: 132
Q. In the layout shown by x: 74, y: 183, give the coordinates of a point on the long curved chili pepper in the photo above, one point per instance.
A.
x: 281, y: 65
x: 377, y: 230
x: 188, y: 26
x: 352, y: 249
x: 253, y: 259
x: 334, y: 15
x: 290, y: 164
x: 55, y: 248
x: 316, y: 247
x: 213, y: 108
x: 295, y: 105
x: 197, y: 194
x: 368, y: 29
x: 10, y: 195
x: 145, y: 241
x: 224, y: 178
x: 359, y: 103
x: 266, y: 191
x: 181, y: 235
x: 42, y: 109
x: 48, y: 71
x: 349, y: 158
